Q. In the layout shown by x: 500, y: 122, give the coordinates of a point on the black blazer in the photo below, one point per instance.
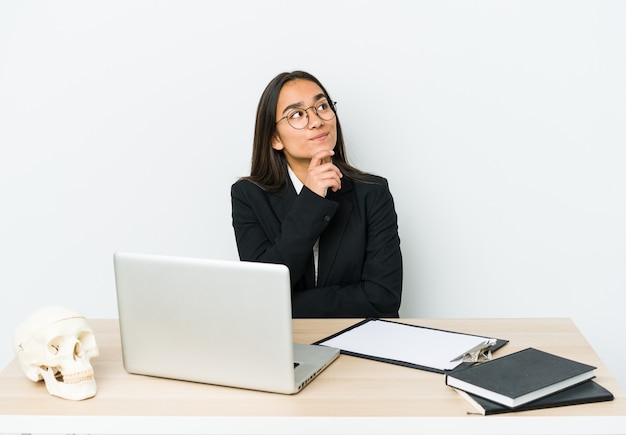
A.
x: 360, y: 263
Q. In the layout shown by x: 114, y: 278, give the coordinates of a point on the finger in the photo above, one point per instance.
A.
x: 320, y: 183
x: 324, y: 172
x: 329, y: 179
x: 321, y: 157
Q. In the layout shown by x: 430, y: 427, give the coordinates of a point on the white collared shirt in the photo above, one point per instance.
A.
x: 316, y: 247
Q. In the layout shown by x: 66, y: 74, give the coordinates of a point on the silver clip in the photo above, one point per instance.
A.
x: 479, y: 353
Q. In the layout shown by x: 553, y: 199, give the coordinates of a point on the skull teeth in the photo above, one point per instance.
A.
x: 77, y: 377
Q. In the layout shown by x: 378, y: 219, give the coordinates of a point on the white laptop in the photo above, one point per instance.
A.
x: 212, y: 321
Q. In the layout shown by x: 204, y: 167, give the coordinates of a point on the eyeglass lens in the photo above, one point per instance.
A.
x: 299, y: 118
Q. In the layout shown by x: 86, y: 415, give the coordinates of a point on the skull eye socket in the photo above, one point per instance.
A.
x: 54, y: 346
x: 61, y: 344
x: 77, y: 350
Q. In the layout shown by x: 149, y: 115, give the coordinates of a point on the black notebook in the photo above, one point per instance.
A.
x: 587, y: 392
x: 520, y: 377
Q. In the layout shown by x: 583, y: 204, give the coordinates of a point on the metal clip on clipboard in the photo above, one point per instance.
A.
x: 479, y: 353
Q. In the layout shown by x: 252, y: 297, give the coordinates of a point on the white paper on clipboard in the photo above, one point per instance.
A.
x: 412, y: 344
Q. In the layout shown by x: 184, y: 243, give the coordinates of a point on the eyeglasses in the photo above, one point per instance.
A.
x: 299, y: 118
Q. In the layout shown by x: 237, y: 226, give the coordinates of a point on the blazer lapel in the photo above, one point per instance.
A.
x: 330, y: 239
x: 281, y: 200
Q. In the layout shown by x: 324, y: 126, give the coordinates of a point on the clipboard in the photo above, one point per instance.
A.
x: 414, y: 346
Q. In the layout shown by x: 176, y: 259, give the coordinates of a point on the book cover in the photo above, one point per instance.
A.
x: 520, y: 377
x: 587, y: 392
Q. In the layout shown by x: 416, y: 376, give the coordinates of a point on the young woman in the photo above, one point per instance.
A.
x: 304, y: 206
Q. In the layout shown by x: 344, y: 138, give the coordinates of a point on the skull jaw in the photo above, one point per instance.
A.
x: 80, y: 390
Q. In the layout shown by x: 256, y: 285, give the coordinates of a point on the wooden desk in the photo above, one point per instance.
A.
x: 352, y: 396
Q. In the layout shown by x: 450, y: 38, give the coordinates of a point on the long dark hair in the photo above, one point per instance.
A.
x: 269, y: 166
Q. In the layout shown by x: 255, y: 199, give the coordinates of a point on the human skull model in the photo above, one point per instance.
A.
x: 55, y: 344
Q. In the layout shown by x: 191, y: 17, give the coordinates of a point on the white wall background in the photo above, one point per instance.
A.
x: 500, y: 126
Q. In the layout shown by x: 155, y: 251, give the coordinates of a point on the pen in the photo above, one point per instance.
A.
x: 480, y: 346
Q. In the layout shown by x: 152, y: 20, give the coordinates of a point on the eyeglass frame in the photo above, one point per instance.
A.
x: 332, y: 105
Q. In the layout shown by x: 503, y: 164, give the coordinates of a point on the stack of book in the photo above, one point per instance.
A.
x: 524, y: 380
